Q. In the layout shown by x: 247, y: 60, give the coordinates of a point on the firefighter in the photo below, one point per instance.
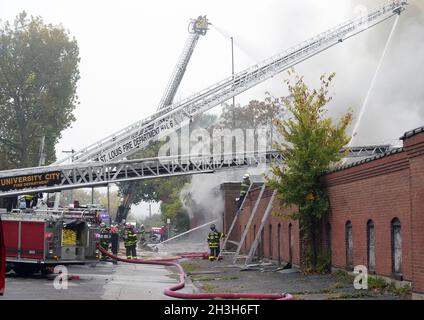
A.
x: 28, y: 200
x: 114, y: 230
x: 214, y: 239
x: 245, y: 185
x: 130, y: 241
x: 142, y: 233
x: 105, y: 238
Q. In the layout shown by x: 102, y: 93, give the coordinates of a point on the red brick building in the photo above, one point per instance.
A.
x: 376, y: 216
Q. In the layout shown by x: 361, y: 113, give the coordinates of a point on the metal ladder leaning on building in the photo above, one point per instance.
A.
x: 233, y: 223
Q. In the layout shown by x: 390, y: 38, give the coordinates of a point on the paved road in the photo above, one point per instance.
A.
x: 102, y: 281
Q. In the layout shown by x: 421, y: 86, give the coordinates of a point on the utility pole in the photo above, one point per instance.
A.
x: 108, y: 201
x: 150, y: 209
x: 234, y: 147
x: 42, y: 155
x: 232, y: 72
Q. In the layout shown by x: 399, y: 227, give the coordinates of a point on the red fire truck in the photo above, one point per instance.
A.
x: 38, y: 240
x: 2, y: 260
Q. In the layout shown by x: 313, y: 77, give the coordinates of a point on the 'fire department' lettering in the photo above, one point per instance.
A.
x: 142, y: 137
x: 27, y: 181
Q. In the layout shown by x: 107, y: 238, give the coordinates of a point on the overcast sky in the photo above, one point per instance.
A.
x: 129, y: 48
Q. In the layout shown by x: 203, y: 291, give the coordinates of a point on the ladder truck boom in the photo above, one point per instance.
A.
x: 90, y: 174
x: 138, y: 135
x: 196, y: 28
x: 95, y: 174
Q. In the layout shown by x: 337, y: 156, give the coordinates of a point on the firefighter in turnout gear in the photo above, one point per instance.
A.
x: 214, y: 239
x: 142, y: 233
x: 130, y: 241
x: 105, y: 238
x: 245, y: 185
x: 29, y: 198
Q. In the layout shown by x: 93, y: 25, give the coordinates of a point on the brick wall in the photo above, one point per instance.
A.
x: 377, y: 191
x: 414, y: 147
x: 381, y: 189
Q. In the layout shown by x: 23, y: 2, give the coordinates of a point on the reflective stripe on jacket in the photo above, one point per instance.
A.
x: 130, y: 239
x: 213, y: 238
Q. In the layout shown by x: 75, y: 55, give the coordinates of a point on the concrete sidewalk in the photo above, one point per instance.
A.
x: 103, y: 281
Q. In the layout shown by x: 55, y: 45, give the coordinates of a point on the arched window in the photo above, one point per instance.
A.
x: 279, y: 243
x: 328, y: 236
x: 371, y: 246
x: 349, y: 245
x: 261, y: 252
x: 396, y: 247
x: 270, y: 240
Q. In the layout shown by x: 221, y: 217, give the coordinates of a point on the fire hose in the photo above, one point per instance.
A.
x: 172, y: 290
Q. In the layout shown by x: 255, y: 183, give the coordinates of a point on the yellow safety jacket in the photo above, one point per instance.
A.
x: 245, y: 184
x: 213, y: 239
x: 130, y: 238
x: 28, y: 197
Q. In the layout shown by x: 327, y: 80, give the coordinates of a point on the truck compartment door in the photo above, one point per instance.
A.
x: 32, y: 240
x: 11, y: 238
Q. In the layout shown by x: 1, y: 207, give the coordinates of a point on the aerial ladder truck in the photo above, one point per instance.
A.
x: 105, y: 162
x: 196, y: 28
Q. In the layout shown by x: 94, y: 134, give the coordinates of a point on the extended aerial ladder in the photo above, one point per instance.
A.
x: 138, y: 135
x: 196, y: 28
x: 130, y: 139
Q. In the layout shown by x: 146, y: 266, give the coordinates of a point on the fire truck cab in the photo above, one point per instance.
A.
x: 38, y: 240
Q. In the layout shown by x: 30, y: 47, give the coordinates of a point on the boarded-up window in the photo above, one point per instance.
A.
x: 371, y: 246
x: 328, y: 238
x: 349, y: 246
x: 396, y: 247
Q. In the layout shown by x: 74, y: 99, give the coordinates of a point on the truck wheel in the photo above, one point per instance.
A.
x: 8, y: 267
x: 46, y: 270
x: 23, y: 270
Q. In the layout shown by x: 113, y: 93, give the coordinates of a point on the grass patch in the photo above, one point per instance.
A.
x: 344, y: 276
x: 356, y: 295
x: 208, y: 287
x: 328, y: 290
x: 338, y: 285
x: 380, y: 285
x: 189, y: 267
x: 225, y: 278
x: 377, y: 284
x: 404, y: 290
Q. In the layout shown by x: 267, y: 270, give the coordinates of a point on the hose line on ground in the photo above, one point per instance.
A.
x: 172, y: 290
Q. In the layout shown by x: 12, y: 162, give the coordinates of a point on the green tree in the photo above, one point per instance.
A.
x: 312, y: 143
x: 38, y: 77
